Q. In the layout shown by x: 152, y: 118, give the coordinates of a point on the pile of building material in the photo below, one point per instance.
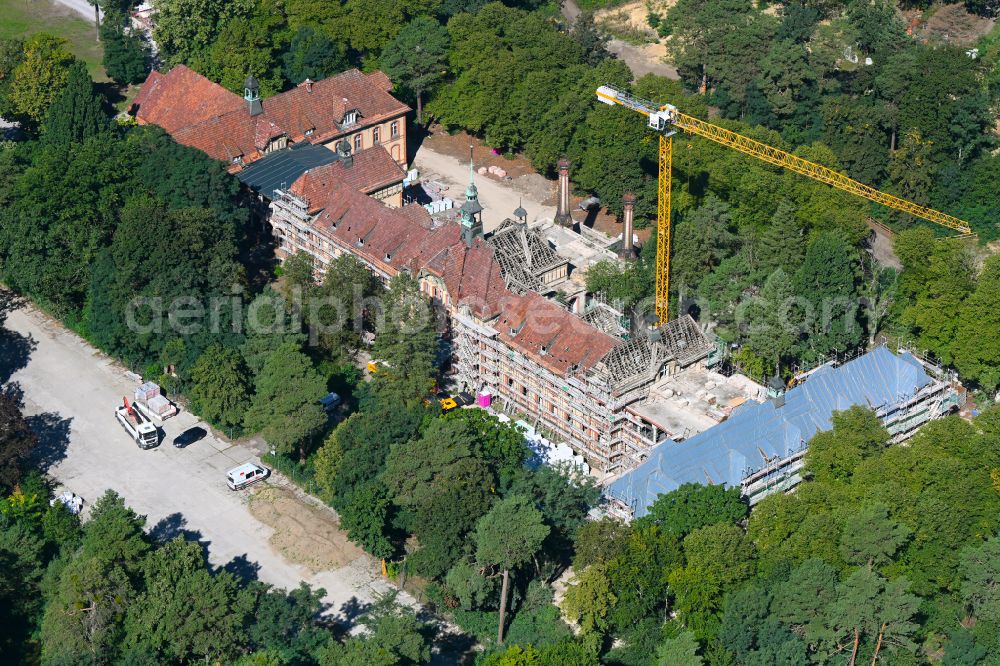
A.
x: 493, y: 171
x: 150, y: 400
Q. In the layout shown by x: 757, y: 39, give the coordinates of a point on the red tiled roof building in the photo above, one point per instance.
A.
x: 351, y: 106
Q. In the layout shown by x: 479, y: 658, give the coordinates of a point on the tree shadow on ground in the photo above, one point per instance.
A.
x: 242, y: 568
x: 52, y: 431
x: 452, y: 648
x: 351, y: 610
x: 175, y: 525
x: 15, y: 351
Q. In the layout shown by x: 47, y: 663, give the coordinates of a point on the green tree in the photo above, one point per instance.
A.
x: 873, y: 608
x: 221, y: 386
x: 312, y: 55
x: 394, y: 637
x: 872, y: 537
x: 773, y: 320
x: 589, y: 599
x: 185, y: 612
x: 286, y: 407
x: 589, y: 37
x: 468, y: 583
x: 977, y: 338
x: 115, y: 533
x: 597, y: 541
x: 76, y: 112
x: 506, y: 538
x: 406, y: 340
x: 126, y: 55
x: 367, y: 518
x: 444, y: 485
x: 877, y: 26
x: 39, y: 77
x: 11, y: 55
x: 682, y: 650
x: 827, y: 280
x: 692, y: 506
x: 267, y: 327
x: 782, y: 244
x: 857, y: 434
x: 703, y: 239
x: 84, y: 617
x: 980, y: 589
x: 416, y: 58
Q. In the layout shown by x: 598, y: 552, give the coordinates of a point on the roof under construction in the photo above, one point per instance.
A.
x: 524, y: 256
x: 678, y: 340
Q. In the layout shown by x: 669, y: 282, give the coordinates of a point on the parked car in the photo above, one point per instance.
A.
x: 330, y: 402
x: 247, y: 474
x: 189, y: 437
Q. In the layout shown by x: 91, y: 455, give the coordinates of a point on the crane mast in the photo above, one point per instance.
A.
x: 666, y: 120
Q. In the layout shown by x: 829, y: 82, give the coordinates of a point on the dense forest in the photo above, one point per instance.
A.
x: 884, y: 554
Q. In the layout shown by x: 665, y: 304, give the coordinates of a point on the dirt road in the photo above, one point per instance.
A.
x: 641, y: 60
x: 498, y: 198
x: 71, y: 391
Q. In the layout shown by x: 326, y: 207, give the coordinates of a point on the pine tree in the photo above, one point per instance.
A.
x: 76, y: 113
x: 782, y: 245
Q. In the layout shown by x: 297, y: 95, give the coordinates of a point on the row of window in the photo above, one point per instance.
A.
x: 376, y: 135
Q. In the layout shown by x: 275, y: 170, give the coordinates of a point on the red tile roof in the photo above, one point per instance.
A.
x: 182, y: 98
x: 550, y: 335
x: 206, y: 116
x: 371, y: 170
x: 299, y: 110
x: 396, y: 239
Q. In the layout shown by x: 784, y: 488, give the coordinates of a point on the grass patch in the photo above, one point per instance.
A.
x: 599, y: 4
x: 22, y: 18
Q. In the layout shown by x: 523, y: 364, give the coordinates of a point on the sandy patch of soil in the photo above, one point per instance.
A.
x: 953, y: 25
x: 304, y: 533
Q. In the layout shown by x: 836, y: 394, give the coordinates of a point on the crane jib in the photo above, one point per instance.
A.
x: 661, y: 117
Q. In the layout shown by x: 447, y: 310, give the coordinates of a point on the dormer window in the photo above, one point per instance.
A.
x: 309, y: 132
x: 350, y: 117
x: 388, y: 257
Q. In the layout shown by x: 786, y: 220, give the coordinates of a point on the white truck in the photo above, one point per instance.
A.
x: 140, y: 428
x: 150, y: 400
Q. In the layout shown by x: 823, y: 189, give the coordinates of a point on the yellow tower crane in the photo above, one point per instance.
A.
x: 666, y: 120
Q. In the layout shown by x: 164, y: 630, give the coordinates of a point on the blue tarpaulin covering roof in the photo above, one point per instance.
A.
x: 728, y: 452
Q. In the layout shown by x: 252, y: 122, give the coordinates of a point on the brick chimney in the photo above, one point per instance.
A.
x: 627, y: 251
x: 563, y: 217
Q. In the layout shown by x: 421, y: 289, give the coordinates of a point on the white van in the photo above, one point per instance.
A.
x: 246, y: 474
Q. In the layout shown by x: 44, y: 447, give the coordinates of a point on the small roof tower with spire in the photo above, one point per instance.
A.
x: 472, y: 211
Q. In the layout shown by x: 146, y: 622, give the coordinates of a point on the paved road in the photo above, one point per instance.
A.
x: 81, y: 7
x: 77, y: 388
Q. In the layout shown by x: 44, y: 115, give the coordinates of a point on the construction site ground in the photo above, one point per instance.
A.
x: 270, y: 531
x: 444, y: 157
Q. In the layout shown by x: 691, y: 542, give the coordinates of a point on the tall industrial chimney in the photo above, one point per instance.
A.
x: 627, y: 251
x: 563, y: 217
